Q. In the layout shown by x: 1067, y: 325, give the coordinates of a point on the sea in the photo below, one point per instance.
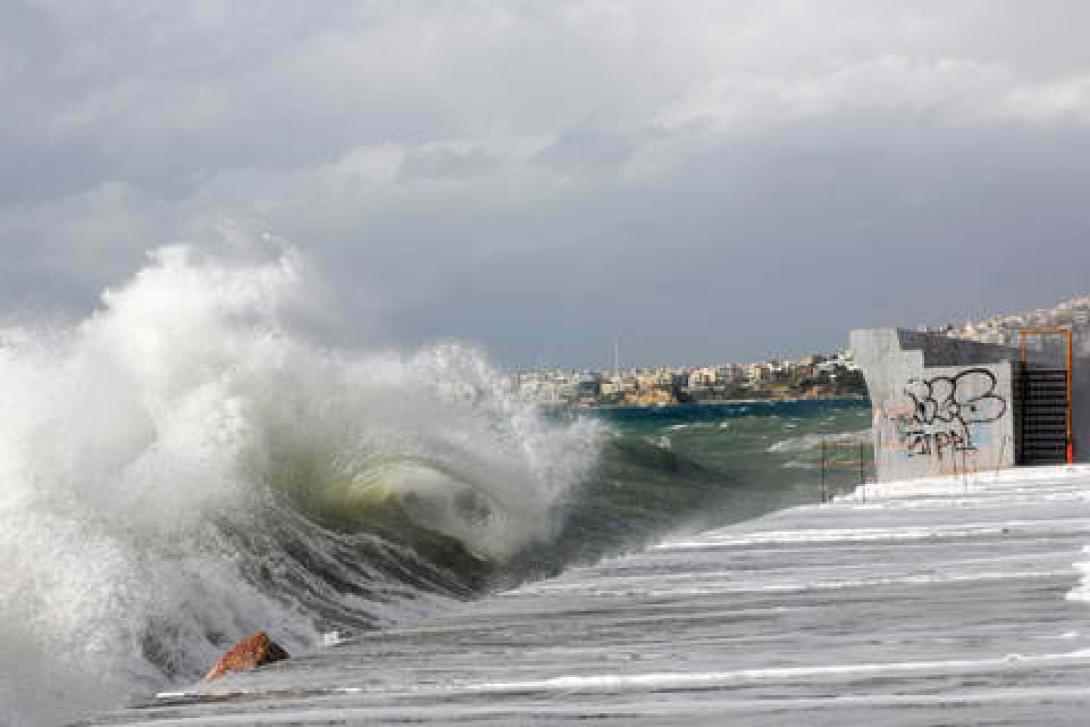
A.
x: 184, y: 466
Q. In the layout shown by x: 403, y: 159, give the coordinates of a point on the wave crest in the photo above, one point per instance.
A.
x: 181, y: 467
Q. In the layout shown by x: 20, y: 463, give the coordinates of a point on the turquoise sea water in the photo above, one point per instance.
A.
x: 774, y: 443
x: 665, y: 470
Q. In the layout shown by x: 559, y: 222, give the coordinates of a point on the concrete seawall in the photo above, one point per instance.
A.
x: 944, y: 406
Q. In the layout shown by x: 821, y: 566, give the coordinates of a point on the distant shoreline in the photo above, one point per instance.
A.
x: 714, y: 402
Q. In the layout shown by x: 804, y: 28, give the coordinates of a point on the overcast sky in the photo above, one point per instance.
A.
x: 704, y: 181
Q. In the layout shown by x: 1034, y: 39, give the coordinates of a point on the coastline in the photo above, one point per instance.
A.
x: 706, y: 403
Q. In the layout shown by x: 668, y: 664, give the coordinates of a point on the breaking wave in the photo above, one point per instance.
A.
x: 180, y: 469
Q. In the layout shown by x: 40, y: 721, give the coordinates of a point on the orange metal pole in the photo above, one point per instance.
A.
x: 1018, y: 455
x: 1070, y: 382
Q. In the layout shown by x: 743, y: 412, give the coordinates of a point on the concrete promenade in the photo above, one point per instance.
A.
x: 942, y: 601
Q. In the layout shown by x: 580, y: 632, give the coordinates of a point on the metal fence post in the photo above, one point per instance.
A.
x: 823, y: 470
x: 863, y: 470
x: 964, y: 470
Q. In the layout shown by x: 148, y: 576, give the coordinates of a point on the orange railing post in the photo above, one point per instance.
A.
x: 1070, y: 396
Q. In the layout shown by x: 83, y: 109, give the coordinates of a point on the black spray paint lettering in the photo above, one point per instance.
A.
x: 944, y: 407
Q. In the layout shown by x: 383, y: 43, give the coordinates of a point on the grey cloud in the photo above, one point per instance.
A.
x: 586, y: 146
x: 445, y: 163
x: 707, y: 181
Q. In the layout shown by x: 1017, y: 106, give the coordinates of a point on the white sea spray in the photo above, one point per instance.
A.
x: 128, y: 440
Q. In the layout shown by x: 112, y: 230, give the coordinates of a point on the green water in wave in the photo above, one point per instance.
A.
x: 659, y: 472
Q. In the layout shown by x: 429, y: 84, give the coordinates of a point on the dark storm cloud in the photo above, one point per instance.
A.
x: 706, y: 182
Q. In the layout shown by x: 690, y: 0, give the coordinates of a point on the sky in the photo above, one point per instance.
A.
x: 699, y: 181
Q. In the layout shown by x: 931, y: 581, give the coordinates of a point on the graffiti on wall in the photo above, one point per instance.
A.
x: 943, y: 408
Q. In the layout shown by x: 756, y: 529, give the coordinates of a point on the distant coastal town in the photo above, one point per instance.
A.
x: 1004, y: 329
x: 813, y: 376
